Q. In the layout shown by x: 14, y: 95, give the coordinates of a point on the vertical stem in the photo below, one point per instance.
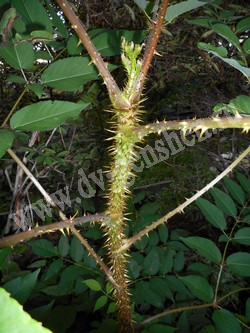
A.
x: 121, y: 170
x: 150, y: 49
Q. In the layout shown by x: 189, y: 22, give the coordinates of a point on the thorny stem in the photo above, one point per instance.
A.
x: 113, y: 89
x: 150, y: 50
x: 194, y: 125
x: 62, y: 216
x: 130, y: 241
x: 38, y: 231
x: 189, y: 308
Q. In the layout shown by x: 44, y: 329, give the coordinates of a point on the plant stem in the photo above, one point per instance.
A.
x: 193, y: 125
x: 150, y: 49
x: 121, y: 170
x: 189, y: 308
x: 63, y: 216
x: 130, y: 241
x: 38, y: 231
x: 114, y: 92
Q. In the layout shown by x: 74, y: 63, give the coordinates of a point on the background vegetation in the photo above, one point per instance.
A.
x: 189, y: 275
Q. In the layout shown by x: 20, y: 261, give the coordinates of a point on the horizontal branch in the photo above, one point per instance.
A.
x: 38, y: 231
x: 194, y: 125
x: 189, y: 308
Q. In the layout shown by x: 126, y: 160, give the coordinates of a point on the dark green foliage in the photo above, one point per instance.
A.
x: 192, y: 276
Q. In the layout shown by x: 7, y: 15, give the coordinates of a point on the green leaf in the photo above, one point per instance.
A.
x: 21, y: 287
x: 43, y: 248
x: 93, y: 232
x: 73, y: 46
x: 14, y: 319
x: 225, y: 322
x: 70, y: 275
x: 101, y: 302
x: 243, y: 25
x: 212, y: 214
x: 93, y: 284
x: 232, y: 62
x: 61, y: 318
x: 149, y: 208
x: 248, y: 310
x: 178, y: 9
x: 70, y: 73
x: 163, y: 233
x: 246, y: 46
x: 109, y: 288
x: 205, y: 247
x: 239, y: 263
x: 57, y: 22
x: 108, y: 42
x: 38, y: 264
x: 44, y: 116
x: 200, y: 268
x: 244, y: 182
x: 161, y: 287
x: 153, y: 238
x: 6, y: 141
x: 167, y: 261
x: 178, y: 286
x: 208, y: 329
x: 242, y: 104
x: 53, y: 269
x: 16, y: 79
x: 224, y: 202
x: 18, y: 56
x: 143, y: 293
x: 40, y: 34
x: 160, y: 328
x: 221, y: 50
x: 235, y: 189
x: 34, y: 14
x: 226, y: 32
x: 242, y: 236
x: 179, y: 261
x: 8, y: 16
x: 76, y: 250
x: 4, y: 253
x: 133, y: 269
x: 152, y: 262
x: 40, y: 313
x: 36, y: 88
x: 199, y: 287
x: 203, y: 22
x: 111, y: 307
x: 63, y: 246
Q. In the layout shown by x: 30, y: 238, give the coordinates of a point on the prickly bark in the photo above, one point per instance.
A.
x: 123, y: 157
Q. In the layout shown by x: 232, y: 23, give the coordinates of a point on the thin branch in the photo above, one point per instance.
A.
x: 194, y: 125
x: 188, y: 308
x: 130, y: 241
x: 38, y: 231
x: 113, y: 89
x: 35, y: 181
x: 95, y: 256
x: 63, y: 216
x: 150, y: 49
x: 174, y: 310
x: 14, y: 107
